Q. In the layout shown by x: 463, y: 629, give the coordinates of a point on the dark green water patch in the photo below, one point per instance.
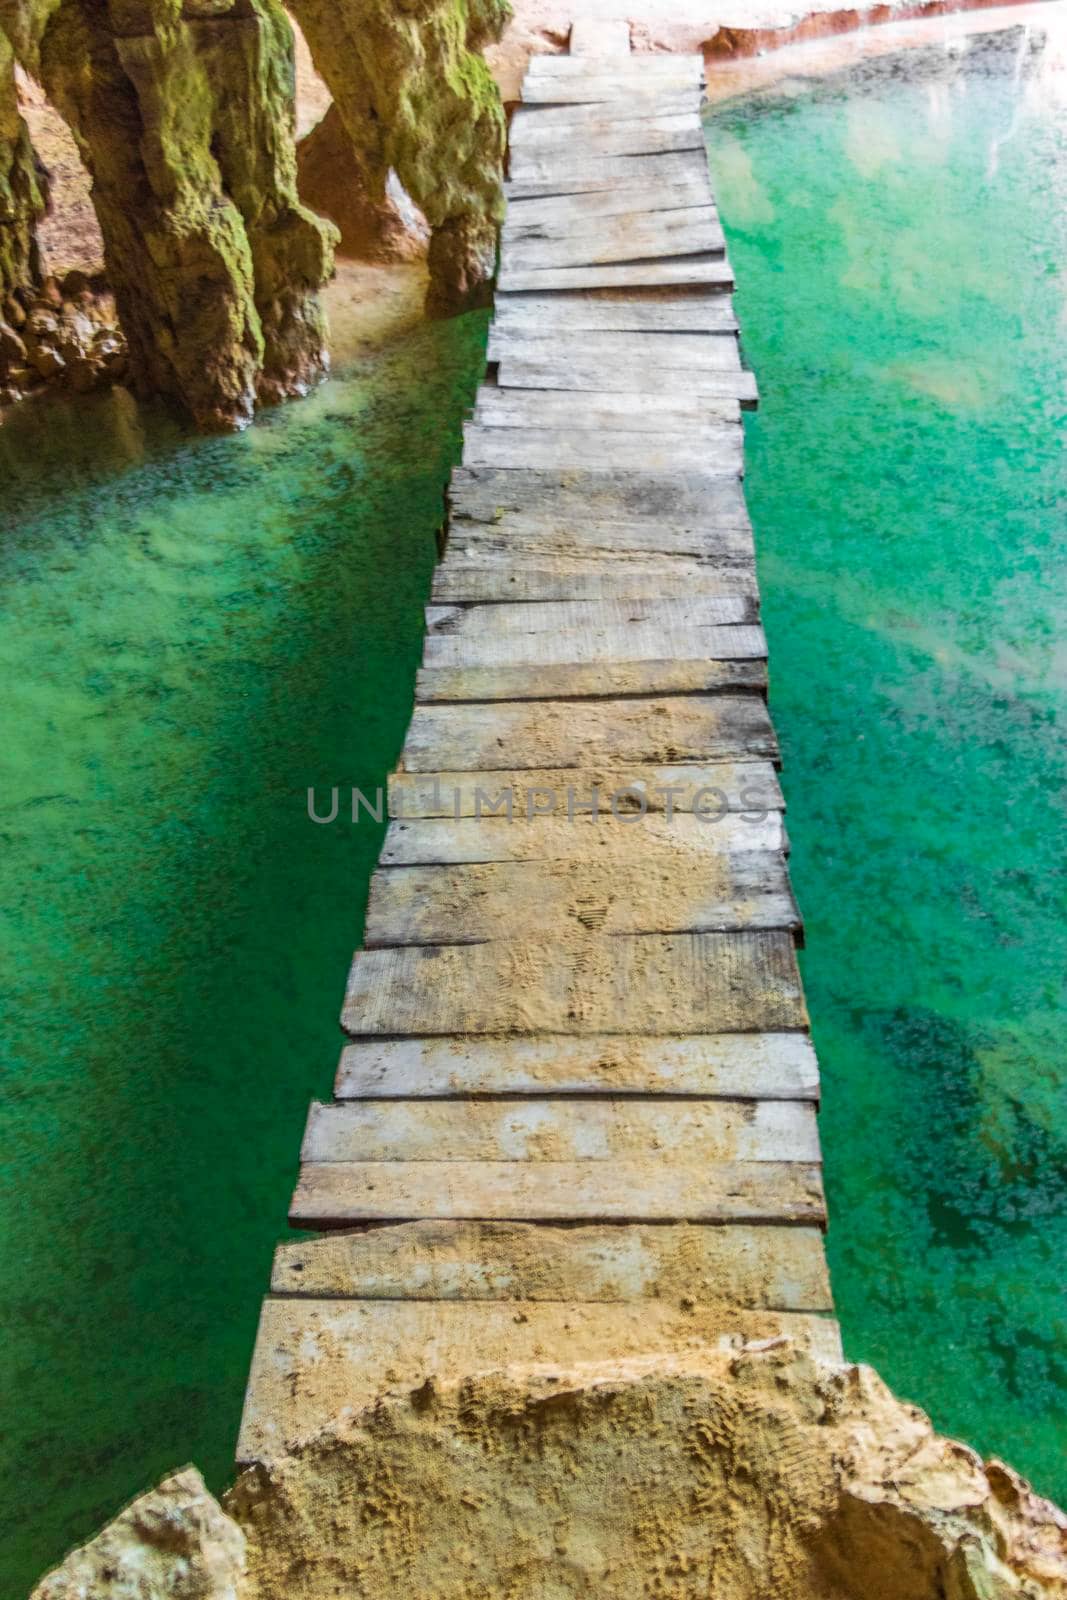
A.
x: 191, y: 632
x: 898, y: 234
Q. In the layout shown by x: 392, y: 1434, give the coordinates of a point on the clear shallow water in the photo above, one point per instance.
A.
x: 191, y: 632
x: 899, y: 234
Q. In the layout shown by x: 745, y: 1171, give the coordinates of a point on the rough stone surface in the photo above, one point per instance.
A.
x: 174, y: 1543
x: 23, y: 187
x: 185, y: 123
x: 739, y: 1476
x: 416, y: 97
x: 63, y: 333
x: 382, y: 228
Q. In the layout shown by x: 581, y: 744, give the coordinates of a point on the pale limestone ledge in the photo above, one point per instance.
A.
x: 744, y: 1474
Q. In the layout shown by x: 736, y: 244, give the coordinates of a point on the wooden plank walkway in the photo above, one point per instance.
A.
x: 578, y: 1094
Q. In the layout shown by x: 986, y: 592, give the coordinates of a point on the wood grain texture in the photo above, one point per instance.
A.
x: 566, y: 408
x: 752, y: 1066
x: 486, y: 494
x: 474, y: 622
x: 552, y: 214
x: 555, y: 733
x: 717, y: 451
x: 698, y: 269
x: 591, y: 575
x: 632, y: 237
x: 590, y: 680
x: 750, y: 786
x: 685, y: 840
x: 671, y: 983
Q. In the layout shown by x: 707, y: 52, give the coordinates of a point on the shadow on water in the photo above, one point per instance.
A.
x: 898, y: 233
x: 192, y: 632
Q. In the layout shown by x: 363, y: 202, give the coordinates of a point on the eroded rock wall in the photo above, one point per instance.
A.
x: 23, y: 189
x: 183, y: 114
x: 416, y: 96
x: 738, y: 1476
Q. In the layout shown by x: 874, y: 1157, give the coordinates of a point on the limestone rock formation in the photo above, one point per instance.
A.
x: 739, y: 1476
x: 416, y: 97
x: 174, y: 1543
x: 65, y: 334
x: 383, y: 228
x: 183, y: 114
x: 23, y: 188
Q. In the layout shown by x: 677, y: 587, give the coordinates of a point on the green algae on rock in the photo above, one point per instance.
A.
x: 415, y: 97
x: 23, y: 189
x: 184, y: 117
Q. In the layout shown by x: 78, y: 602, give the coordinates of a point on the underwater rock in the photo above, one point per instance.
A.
x: 174, y: 1543
x: 382, y: 229
x: 23, y: 187
x: 185, y: 122
x: 417, y: 98
x: 742, y: 1475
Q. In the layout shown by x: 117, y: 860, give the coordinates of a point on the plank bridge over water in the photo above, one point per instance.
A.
x: 577, y: 1106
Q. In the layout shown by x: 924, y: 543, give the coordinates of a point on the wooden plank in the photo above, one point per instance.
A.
x: 686, y: 839
x: 564, y: 1130
x: 717, y: 351
x: 539, y: 148
x: 311, y: 1355
x: 565, y: 408
x: 555, y: 733
x: 337, y: 1194
x: 487, y: 494
x: 780, y: 1268
x: 588, y: 88
x: 646, y: 101
x: 632, y: 237
x: 709, y: 450
x: 645, y: 66
x: 589, y: 575
x: 563, y: 371
x: 775, y: 1066
x: 616, y: 173
x: 472, y: 622
x: 615, y: 311
x: 602, y: 646
x: 650, y: 984
x: 521, y: 541
x: 750, y: 786
x: 470, y: 903
x: 590, y: 680
x: 550, y: 215
x: 679, y: 269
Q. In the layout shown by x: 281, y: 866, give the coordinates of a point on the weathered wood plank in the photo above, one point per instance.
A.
x: 556, y: 214
x: 590, y: 680
x: 711, y: 450
x: 655, y: 983
x: 645, y: 66
x: 564, y: 1130
x: 781, y: 1268
x: 555, y: 733
x: 473, y: 622
x: 754, y: 1066
x: 713, y: 269
x: 726, y: 540
x: 616, y: 311
x: 686, y: 839
x: 579, y: 118
x: 626, y: 238
x: 563, y: 371
x: 309, y: 1353
x: 609, y: 646
x: 599, y: 36
x: 540, y: 148
x: 602, y: 87
x: 469, y: 903
x: 615, y: 173
x: 718, y: 351
x: 337, y: 1194
x: 750, y: 786
x: 566, y: 408
x: 589, y: 575
x: 486, y: 494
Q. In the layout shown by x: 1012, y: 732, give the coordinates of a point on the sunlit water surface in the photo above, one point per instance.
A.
x: 898, y: 234
x: 191, y: 632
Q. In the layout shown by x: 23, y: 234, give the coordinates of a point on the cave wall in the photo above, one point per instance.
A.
x: 416, y: 96
x: 23, y: 187
x: 184, y: 116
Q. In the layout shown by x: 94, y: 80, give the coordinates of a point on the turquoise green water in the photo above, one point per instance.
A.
x: 899, y: 236
x: 191, y: 633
